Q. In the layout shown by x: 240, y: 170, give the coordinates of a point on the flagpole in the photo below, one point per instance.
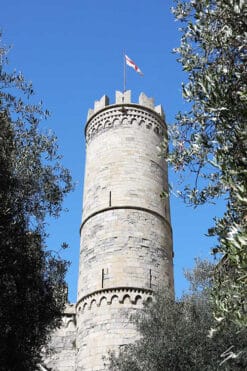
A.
x: 124, y: 73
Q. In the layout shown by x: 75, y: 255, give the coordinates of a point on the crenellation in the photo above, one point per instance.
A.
x: 98, y: 105
x: 145, y: 101
x: 90, y: 113
x: 160, y: 111
x: 102, y: 103
x: 123, y: 97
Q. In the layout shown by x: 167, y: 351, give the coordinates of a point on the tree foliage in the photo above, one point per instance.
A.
x: 33, y: 184
x: 175, y: 334
x: 210, y: 140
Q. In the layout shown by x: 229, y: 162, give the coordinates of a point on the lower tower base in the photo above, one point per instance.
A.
x: 105, y: 323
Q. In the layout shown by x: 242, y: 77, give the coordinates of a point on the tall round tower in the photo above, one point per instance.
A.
x: 126, y: 238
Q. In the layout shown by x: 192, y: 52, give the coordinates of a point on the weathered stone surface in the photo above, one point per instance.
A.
x: 124, y: 97
x: 60, y: 355
x: 145, y: 101
x: 104, y: 323
x: 129, y: 243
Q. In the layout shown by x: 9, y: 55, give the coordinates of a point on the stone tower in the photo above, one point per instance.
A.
x: 126, y: 238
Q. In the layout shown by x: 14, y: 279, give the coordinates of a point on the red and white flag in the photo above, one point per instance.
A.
x: 132, y: 64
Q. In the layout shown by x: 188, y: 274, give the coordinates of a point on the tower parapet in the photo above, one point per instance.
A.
x: 124, y: 98
x: 126, y: 238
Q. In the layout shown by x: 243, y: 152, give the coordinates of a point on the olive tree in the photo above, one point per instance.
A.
x: 209, y: 141
x: 33, y: 184
x: 175, y: 334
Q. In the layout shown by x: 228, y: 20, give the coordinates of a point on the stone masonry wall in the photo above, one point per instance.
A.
x: 134, y: 248
x: 122, y: 158
x: 60, y: 354
x: 104, y: 323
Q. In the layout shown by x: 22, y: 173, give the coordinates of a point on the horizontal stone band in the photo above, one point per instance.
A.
x: 155, y: 213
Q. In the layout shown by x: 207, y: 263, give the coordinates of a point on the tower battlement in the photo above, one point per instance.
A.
x: 125, y: 98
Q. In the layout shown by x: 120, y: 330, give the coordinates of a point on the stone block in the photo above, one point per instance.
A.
x: 102, y: 103
x: 124, y: 97
x: 145, y: 101
x: 160, y: 111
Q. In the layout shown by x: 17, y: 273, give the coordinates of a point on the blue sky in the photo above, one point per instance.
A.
x: 72, y: 51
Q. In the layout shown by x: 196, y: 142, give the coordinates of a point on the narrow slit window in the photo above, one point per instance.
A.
x: 102, y: 279
x: 110, y: 198
x: 104, y: 276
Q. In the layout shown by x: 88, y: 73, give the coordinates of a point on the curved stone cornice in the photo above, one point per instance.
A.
x: 68, y: 320
x: 119, y: 293
x: 127, y: 207
x: 124, y: 115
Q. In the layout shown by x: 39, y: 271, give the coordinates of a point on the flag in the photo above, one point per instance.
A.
x: 132, y: 64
